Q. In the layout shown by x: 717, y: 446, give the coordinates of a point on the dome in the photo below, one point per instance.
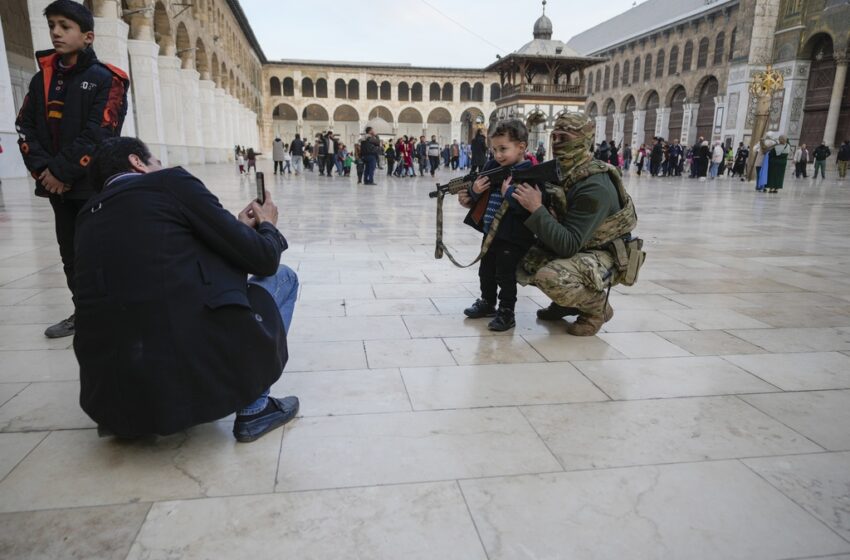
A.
x: 543, y: 28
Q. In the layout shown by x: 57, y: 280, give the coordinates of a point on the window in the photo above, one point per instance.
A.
x: 702, y: 54
x: 598, y: 80
x: 687, y: 56
x: 340, y: 89
x: 403, y: 91
x: 274, y: 86
x: 732, y: 43
x: 647, y: 68
x: 434, y: 92
x: 307, y: 88
x: 416, y: 92
x: 321, y: 88
x: 719, y: 44
x: 606, y: 80
x: 288, y: 87
x: 659, y: 64
x: 616, y: 78
x: 673, y: 65
x: 636, y: 71
x: 371, y: 89
x: 386, y: 90
x: 625, y: 73
x: 448, y: 92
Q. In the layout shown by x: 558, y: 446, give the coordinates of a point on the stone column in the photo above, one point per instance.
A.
x: 637, y: 129
x: 835, y: 101
x: 662, y: 122
x: 191, y: 97
x: 209, y: 119
x: 172, y: 109
x: 229, y: 122
x: 600, y: 128
x: 689, y: 123
x: 111, y: 47
x: 38, y: 25
x: 619, y: 121
x: 223, y: 145
x: 148, y: 99
x: 11, y: 163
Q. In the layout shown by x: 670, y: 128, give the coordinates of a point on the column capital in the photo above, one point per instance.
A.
x: 841, y: 59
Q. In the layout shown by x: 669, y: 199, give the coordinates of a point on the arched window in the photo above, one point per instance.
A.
x: 307, y: 88
x: 495, y: 91
x: 673, y: 65
x: 687, y: 56
x: 465, y: 91
x: 732, y: 43
x: 478, y: 92
x: 288, y: 87
x: 353, y: 89
x: 615, y: 79
x: 589, y: 87
x: 659, y: 64
x: 719, y: 44
x: 702, y: 53
x: 647, y: 68
x: 416, y: 92
x: 606, y: 79
x: 626, y: 73
x: 371, y: 89
x: 403, y: 91
x: 434, y: 92
x: 274, y: 86
x: 636, y: 71
x: 598, y: 80
x: 448, y: 92
x: 386, y: 90
x: 340, y: 89
x: 321, y: 87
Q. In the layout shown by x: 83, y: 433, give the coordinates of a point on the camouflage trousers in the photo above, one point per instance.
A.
x: 579, y: 281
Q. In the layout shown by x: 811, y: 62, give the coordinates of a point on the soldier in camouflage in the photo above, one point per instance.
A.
x: 584, y: 242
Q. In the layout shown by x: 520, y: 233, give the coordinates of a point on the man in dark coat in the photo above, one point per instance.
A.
x: 170, y: 331
x: 479, y: 151
x: 655, y: 158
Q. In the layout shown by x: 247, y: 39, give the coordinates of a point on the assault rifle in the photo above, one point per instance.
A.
x: 548, y: 172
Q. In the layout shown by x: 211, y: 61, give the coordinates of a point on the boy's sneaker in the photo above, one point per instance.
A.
x: 481, y: 308
x: 504, y: 320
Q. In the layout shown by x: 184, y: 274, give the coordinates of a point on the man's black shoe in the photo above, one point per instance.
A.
x: 555, y: 312
x: 277, y: 413
x: 504, y: 320
x: 481, y: 308
x: 61, y: 329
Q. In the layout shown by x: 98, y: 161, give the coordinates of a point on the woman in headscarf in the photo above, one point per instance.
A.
x: 778, y: 159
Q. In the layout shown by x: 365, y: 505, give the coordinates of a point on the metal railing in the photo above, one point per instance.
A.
x: 543, y: 89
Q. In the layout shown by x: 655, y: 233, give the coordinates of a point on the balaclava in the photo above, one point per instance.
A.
x: 576, y: 149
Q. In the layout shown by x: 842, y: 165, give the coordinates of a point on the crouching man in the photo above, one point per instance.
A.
x: 170, y: 330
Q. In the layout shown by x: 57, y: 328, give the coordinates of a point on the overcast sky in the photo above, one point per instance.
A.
x: 414, y: 31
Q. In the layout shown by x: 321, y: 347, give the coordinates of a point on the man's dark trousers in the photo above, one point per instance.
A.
x: 369, y: 173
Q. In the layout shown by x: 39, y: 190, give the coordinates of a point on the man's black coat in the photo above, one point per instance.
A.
x: 168, y: 333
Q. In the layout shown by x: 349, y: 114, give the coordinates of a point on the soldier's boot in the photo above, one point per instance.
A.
x: 556, y: 312
x: 588, y: 324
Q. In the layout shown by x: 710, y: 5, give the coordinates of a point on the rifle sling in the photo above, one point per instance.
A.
x: 488, y: 239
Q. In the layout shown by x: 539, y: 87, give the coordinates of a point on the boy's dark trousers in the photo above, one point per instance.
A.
x: 497, y: 273
x: 65, y: 211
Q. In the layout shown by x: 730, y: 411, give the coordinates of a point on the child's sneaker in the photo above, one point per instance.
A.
x: 481, y: 308
x: 504, y: 320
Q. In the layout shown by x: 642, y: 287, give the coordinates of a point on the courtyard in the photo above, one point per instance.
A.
x: 709, y: 420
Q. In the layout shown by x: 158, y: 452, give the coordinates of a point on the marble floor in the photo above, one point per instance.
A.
x: 709, y: 420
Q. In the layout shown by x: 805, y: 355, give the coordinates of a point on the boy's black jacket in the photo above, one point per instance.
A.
x: 95, y: 107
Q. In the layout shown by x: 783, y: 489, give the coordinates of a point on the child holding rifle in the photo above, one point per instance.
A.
x: 511, y: 239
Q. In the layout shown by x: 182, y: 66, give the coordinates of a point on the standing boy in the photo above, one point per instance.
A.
x: 73, y: 104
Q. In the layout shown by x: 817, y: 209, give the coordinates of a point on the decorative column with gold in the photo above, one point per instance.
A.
x: 761, y: 88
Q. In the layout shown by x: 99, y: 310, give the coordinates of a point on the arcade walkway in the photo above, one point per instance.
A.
x: 710, y: 420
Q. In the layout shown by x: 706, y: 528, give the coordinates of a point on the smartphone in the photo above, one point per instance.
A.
x: 261, y: 188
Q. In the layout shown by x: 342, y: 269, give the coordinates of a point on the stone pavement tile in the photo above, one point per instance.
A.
x: 797, y: 339
x: 497, y: 385
x: 9, y: 274
x: 53, y: 405
x: 9, y: 390
x: 358, y: 276
x: 421, y: 290
x: 35, y: 314
x: 332, y: 393
x: 469, y: 350
x: 455, y: 305
x: 407, y: 353
x: 820, y: 484
x: 646, y: 287
x: 822, y: 416
x: 654, y: 378
x: 336, y: 291
x: 564, y: 347
x: 381, y: 307
x: 627, y: 433
x: 776, y: 301
x: 716, y: 319
x: 409, y: 447
x: 436, y: 326
x: 710, y: 301
x: 797, y: 316
x: 104, y: 532
x: 641, y: 301
x: 203, y: 461
x: 50, y: 296
x: 697, y: 285
x: 14, y: 447
x: 325, y: 356
x: 320, y: 308
x: 334, y: 329
x: 637, y: 320
x: 41, y: 280
x: 699, y: 511
x: 31, y: 337
x: 710, y: 343
x: 642, y: 345
x: 410, y: 522
x: 798, y: 372
x: 12, y: 296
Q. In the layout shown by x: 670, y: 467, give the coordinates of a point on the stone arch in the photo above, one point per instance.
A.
x: 201, y: 61
x: 371, y: 89
x: 307, y: 89
x: 162, y: 31
x: 478, y: 92
x: 353, y: 89
x: 673, y: 64
x: 274, y: 86
x: 439, y: 115
x: 470, y: 119
x: 386, y: 91
x: 416, y: 91
x: 688, y: 56
x: 285, y: 112
x: 628, y: 109
x: 410, y: 122
x: 706, y: 89
x: 322, y: 88
x: 409, y: 115
x: 214, y: 70
x: 185, y: 50
x: 675, y: 99
x: 346, y: 113
x: 448, y: 92
x: 609, y: 108
x: 288, y: 87
x: 340, y: 89
x: 403, y: 91
x: 434, y: 92
x: 314, y: 112
x: 495, y: 91
x: 659, y: 63
x: 381, y: 112
x: 822, y: 42
x: 651, y: 104
x: 592, y: 110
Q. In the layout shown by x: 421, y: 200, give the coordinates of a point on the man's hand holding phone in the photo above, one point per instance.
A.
x: 255, y: 213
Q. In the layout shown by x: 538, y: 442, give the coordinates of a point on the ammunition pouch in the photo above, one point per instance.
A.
x: 628, y: 258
